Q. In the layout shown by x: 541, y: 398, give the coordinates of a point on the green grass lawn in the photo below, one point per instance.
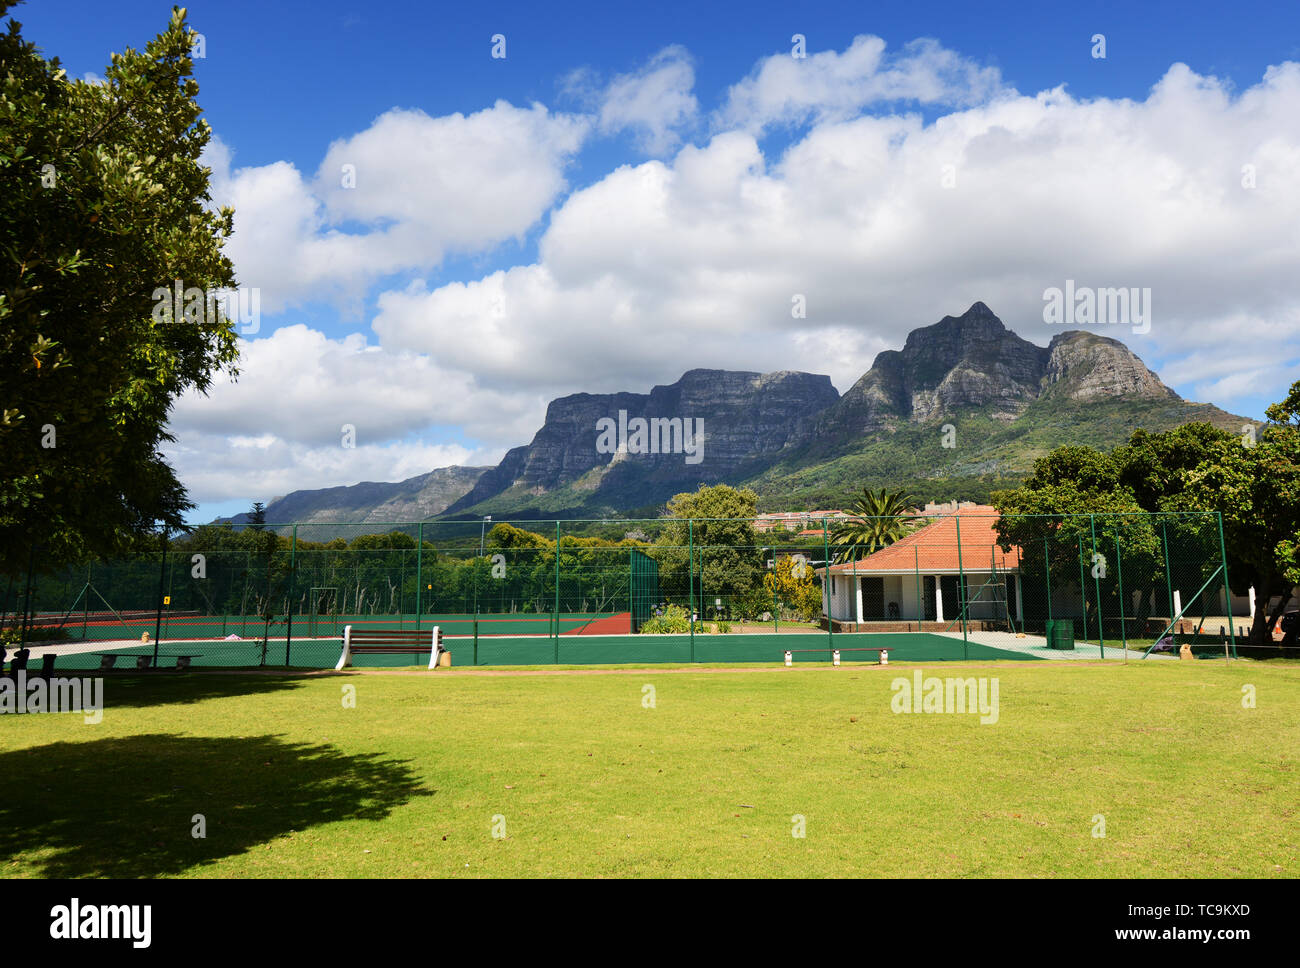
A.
x: 587, y: 781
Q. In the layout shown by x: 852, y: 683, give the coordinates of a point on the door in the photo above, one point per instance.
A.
x: 873, y: 598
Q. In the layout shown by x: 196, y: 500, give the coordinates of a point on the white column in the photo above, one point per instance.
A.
x: 858, y: 584
x: 938, y: 599
x: 1252, y: 603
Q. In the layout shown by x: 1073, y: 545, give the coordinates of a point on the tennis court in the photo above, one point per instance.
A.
x: 964, y: 585
x: 103, y: 626
x: 541, y: 649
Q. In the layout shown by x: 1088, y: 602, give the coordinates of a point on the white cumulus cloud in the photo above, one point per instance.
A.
x: 878, y: 220
x: 400, y: 195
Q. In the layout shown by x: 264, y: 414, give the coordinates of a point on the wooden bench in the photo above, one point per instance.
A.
x: 835, y: 650
x: 388, y: 642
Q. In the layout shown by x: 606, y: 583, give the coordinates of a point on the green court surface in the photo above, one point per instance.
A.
x: 753, y: 647
x: 323, y: 653
x: 102, y: 628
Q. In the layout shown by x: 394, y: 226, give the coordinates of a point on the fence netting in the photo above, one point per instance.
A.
x: 541, y: 592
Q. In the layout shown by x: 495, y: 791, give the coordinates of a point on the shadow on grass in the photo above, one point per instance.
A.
x: 125, y: 807
x: 170, y: 688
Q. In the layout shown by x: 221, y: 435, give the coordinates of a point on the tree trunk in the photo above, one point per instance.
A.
x: 1282, y: 602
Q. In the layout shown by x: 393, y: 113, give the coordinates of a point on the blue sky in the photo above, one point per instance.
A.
x: 633, y: 191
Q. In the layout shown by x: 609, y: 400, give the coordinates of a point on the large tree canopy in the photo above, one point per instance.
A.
x: 1257, y: 489
x: 716, y: 524
x: 103, y: 201
x: 1253, y: 483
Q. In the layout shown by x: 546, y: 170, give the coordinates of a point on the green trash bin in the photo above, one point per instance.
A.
x: 1050, y: 633
x: 1063, y: 635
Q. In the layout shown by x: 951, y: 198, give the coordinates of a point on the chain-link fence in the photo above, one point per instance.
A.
x: 959, y: 582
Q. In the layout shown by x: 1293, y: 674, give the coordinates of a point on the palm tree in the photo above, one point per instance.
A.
x: 880, y: 518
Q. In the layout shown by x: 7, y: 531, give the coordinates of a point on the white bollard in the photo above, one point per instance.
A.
x: 789, y: 659
x: 884, y: 657
x: 835, y: 657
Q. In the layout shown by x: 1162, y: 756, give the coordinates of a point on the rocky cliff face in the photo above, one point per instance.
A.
x: 761, y: 426
x: 1086, y: 366
x: 973, y: 361
x: 747, y: 419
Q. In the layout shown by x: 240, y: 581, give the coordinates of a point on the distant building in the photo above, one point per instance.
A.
x: 798, y: 521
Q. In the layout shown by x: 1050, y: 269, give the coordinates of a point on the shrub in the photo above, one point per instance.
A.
x: 674, y: 621
x: 10, y: 637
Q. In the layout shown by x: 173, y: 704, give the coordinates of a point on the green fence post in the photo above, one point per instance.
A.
x: 85, y: 604
x: 162, y: 577
x: 419, y: 573
x: 1101, y: 623
x: 1169, y: 575
x: 27, y: 598
x: 961, y: 588
x: 1123, y: 619
x: 690, y: 580
x: 1083, y: 591
x: 1227, y: 592
x: 557, y: 593
x: 288, y: 618
x: 1047, y: 566
x: 826, y: 557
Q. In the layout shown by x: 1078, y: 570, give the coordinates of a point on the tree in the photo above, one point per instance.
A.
x: 881, y: 518
x: 1193, y: 468
x: 790, y: 582
x: 257, y: 516
x: 103, y: 202
x: 717, y: 523
x: 1257, y: 490
x: 1066, y: 525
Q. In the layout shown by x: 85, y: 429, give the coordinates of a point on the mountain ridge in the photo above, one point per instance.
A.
x: 964, y: 399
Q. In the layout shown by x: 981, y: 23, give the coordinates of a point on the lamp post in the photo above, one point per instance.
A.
x: 483, y: 534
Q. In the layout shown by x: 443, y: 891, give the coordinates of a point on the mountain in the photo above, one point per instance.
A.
x: 973, y: 363
x: 964, y: 408
x: 747, y: 419
x: 967, y: 406
x: 414, y: 499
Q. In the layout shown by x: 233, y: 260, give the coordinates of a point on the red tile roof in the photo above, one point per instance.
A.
x: 933, y: 547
